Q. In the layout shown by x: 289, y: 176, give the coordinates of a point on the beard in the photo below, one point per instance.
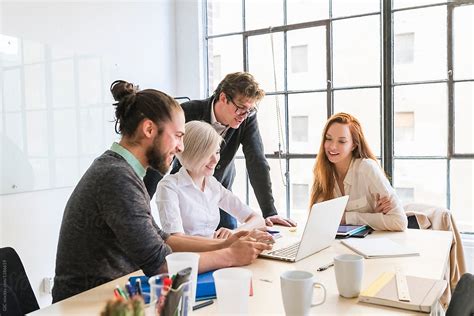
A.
x: 156, y: 158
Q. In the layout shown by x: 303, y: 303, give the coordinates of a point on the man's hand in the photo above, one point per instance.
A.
x: 383, y: 204
x: 223, y: 233
x: 277, y: 219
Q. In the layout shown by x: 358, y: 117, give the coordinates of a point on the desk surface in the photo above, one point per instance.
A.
x: 433, y: 246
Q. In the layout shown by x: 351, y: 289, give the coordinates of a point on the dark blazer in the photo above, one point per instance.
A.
x: 248, y: 135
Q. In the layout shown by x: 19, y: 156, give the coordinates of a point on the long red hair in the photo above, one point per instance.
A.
x: 324, y: 171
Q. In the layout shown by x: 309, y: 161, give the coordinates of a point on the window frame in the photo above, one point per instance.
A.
x: 386, y: 85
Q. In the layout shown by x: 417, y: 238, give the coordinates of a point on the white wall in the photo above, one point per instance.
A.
x: 154, y: 43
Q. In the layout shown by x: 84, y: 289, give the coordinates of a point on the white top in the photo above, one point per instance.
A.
x: 363, y: 181
x: 184, y: 208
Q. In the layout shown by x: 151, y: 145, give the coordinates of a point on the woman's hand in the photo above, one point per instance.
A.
x: 223, y: 233
x: 383, y: 204
x: 261, y: 236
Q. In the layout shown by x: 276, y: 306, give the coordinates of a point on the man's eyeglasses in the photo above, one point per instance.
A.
x: 242, y: 111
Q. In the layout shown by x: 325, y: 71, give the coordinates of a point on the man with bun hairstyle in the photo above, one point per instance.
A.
x: 231, y: 111
x: 107, y: 229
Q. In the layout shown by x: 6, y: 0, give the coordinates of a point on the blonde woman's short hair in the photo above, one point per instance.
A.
x: 200, y: 141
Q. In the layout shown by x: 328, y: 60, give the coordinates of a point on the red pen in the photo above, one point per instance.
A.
x: 117, y: 294
x: 160, y: 303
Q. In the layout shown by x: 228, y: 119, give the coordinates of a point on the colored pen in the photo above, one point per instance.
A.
x: 325, y: 267
x: 138, y: 287
x: 121, y: 292
x: 117, y: 294
x: 273, y: 231
x: 129, y: 289
x: 203, y: 304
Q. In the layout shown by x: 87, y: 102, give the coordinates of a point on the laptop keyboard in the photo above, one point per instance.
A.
x: 287, y: 252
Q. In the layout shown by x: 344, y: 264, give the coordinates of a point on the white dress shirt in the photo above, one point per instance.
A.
x: 184, y: 208
x: 364, y: 180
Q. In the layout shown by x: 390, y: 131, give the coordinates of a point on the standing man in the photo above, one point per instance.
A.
x: 107, y: 229
x: 231, y: 110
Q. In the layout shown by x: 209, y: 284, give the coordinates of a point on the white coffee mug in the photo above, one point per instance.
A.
x: 349, y: 270
x: 297, y: 292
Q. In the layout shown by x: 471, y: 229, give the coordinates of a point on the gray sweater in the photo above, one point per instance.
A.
x: 107, y: 229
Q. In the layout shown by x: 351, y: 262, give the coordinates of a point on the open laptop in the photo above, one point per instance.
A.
x: 318, y: 234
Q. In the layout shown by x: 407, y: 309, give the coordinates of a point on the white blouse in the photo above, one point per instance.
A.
x: 184, y: 208
x: 364, y: 180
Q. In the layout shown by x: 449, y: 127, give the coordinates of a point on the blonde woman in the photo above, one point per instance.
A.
x: 189, y: 201
x: 345, y: 165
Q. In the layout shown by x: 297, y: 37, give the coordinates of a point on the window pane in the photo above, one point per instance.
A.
x: 463, y: 42
x: 261, y: 60
x: 35, y: 87
x: 350, y: 7
x: 421, y: 120
x: 307, y: 59
x: 301, y: 179
x: 397, y: 4
x: 33, y: 52
x: 62, y: 73
x: 462, y: 199
x: 270, y: 129
x: 421, y: 181
x: 464, y: 116
x: 224, y: 16
x: 10, y: 48
x: 364, y: 104
x: 225, y: 56
x: 420, y: 44
x: 37, y: 139
x: 12, y: 84
x: 306, y: 10
x: 90, y: 85
x: 14, y: 130
x: 239, y: 187
x: 311, y: 106
x: 263, y: 13
x: 65, y: 133
x: 356, y: 51
x: 277, y: 171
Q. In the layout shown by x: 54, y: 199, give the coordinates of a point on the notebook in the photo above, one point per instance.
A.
x: 318, y: 234
x: 205, y: 288
x: 349, y: 230
x: 381, y: 247
x: 424, y: 293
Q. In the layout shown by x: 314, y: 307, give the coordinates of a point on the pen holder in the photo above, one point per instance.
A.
x: 167, y: 301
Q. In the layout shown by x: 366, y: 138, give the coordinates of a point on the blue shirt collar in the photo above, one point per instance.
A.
x: 130, y: 158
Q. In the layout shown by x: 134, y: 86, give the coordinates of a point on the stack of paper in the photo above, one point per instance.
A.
x: 424, y: 293
x: 379, y: 248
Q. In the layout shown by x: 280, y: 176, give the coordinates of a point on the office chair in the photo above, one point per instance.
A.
x: 462, y: 302
x: 16, y: 288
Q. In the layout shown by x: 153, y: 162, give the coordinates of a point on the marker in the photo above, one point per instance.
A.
x: 203, y: 304
x: 129, y: 289
x: 121, y: 292
x: 273, y: 231
x: 138, y: 287
x: 117, y: 294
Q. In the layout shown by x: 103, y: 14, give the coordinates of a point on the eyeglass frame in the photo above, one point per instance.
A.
x: 250, y: 112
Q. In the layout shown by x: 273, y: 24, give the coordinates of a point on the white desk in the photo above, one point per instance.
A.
x: 433, y: 246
